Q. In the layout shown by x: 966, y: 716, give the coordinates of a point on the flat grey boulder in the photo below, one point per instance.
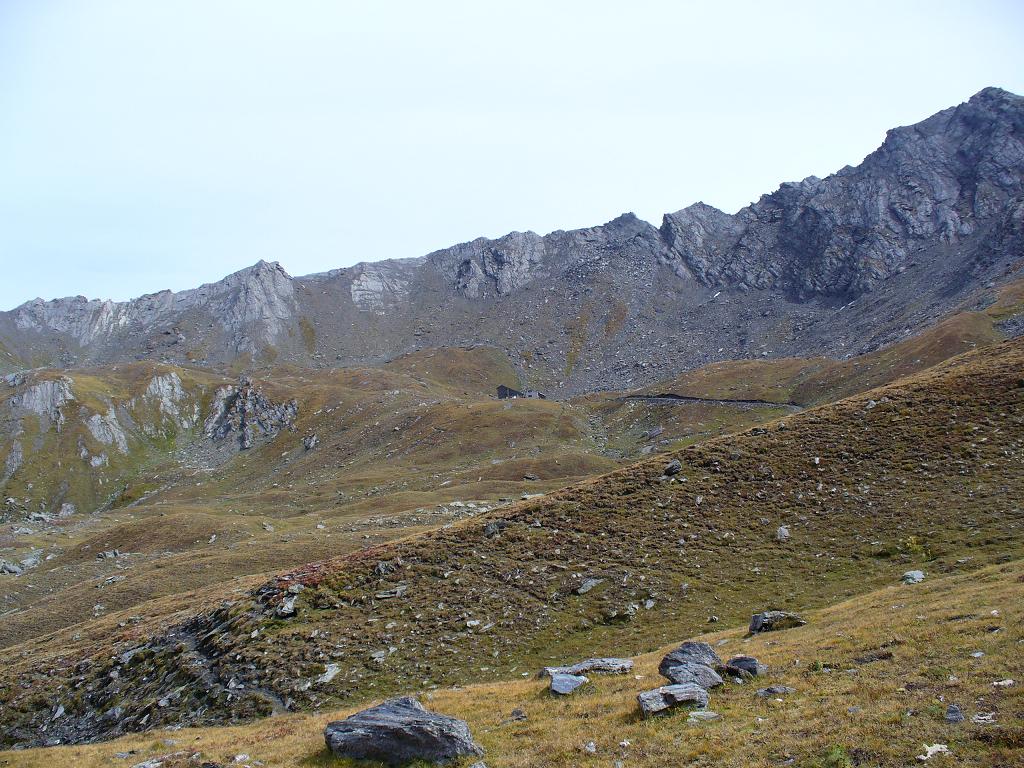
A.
x: 400, y: 731
x: 775, y: 690
x: 690, y: 652
x: 912, y: 577
x: 696, y: 673
x: 661, y: 700
x: 603, y: 665
x: 771, y: 621
x: 743, y: 666
x: 563, y: 685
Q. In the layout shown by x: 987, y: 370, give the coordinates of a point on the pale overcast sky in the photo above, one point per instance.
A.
x: 151, y: 144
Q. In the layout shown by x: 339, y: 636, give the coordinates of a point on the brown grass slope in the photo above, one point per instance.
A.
x: 872, y: 677
x: 930, y: 475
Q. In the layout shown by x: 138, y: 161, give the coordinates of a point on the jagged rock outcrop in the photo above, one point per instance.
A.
x: 46, y: 399
x: 488, y: 268
x: 246, y: 415
x: 168, y: 393
x: 929, y: 185
x: 107, y: 429
x: 250, y: 307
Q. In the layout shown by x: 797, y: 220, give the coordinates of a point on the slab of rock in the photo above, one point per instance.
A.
x: 563, y: 684
x: 702, y: 716
x: 690, y: 652
x: 912, y: 577
x: 695, y: 673
x: 770, y: 621
x: 400, y: 731
x: 661, y: 700
x: 603, y: 665
x: 587, y: 585
x: 775, y: 690
x: 743, y: 666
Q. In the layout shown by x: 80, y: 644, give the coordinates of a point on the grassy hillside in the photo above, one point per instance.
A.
x: 872, y: 677
x: 924, y: 472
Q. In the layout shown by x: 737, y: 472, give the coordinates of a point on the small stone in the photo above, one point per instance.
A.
x: 775, y: 690
x: 587, y: 585
x: 782, y: 533
x: 674, y: 467
x: 954, y: 714
x: 702, y: 716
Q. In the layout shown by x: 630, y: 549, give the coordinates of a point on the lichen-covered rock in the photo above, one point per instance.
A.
x: 661, y: 700
x: 563, y: 684
x: 400, y: 731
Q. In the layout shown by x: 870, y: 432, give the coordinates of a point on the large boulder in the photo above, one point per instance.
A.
x: 770, y: 621
x: 661, y: 700
x: 692, y: 663
x: 690, y: 652
x: 605, y: 665
x: 400, y: 731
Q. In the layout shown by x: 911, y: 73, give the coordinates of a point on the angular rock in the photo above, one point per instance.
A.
x: 604, y: 665
x: 775, y: 690
x: 743, y: 666
x: 954, y: 714
x: 770, y: 621
x: 563, y: 684
x: 661, y: 700
x: 400, y: 731
x: 587, y: 585
x: 696, y: 673
x: 690, y: 652
x: 782, y: 533
x: 674, y: 467
x: 912, y: 577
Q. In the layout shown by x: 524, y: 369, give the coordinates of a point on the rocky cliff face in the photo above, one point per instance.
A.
x: 956, y: 175
x: 920, y: 227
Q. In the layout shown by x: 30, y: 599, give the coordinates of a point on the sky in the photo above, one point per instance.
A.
x: 164, y: 144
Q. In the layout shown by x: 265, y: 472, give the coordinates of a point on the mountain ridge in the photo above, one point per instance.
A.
x: 932, y: 216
